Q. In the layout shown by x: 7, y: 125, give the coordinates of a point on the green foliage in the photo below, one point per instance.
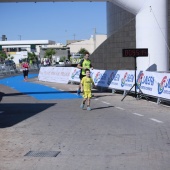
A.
x: 24, y: 59
x: 9, y: 57
x: 49, y: 53
x: 83, y: 51
x: 32, y: 57
x: 62, y: 59
x: 3, y: 56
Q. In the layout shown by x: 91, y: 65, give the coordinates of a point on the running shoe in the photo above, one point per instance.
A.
x: 82, y: 106
x: 88, y: 108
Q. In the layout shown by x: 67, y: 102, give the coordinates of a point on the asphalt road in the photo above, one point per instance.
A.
x: 114, y: 135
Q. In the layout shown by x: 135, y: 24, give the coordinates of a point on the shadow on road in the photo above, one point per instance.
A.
x: 101, y: 107
x: 13, y: 113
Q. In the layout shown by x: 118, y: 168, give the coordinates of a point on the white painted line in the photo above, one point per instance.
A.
x: 152, y: 102
x: 105, y: 102
x: 137, y: 114
x: 1, y: 112
x: 53, y: 87
x: 120, y: 108
x: 96, y: 99
x: 61, y: 89
x: 165, y: 105
x: 155, y: 120
x: 160, y: 104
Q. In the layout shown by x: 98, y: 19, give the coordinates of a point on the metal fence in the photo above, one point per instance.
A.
x: 9, y: 70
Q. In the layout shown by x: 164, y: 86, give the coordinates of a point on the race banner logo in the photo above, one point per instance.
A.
x: 97, y: 77
x: 162, y: 85
x: 75, y: 72
x: 139, y: 79
x: 123, y: 80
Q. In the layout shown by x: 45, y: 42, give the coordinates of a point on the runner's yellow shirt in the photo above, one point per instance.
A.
x: 87, y: 83
x: 85, y: 63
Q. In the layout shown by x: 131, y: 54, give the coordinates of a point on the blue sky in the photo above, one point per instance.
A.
x: 52, y: 21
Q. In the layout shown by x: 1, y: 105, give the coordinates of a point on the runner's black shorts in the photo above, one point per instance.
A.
x: 81, y: 76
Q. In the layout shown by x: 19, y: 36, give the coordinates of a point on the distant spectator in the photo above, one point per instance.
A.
x: 25, y: 67
x: 47, y: 62
x: 30, y: 62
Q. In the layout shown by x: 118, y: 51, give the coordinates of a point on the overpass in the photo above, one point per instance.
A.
x: 151, y: 29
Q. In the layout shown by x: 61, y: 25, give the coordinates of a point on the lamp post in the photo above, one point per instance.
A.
x: 19, y: 37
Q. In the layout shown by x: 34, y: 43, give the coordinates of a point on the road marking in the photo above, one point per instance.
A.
x: 120, y: 108
x: 137, y: 114
x: 105, y: 102
x: 155, y: 120
x: 1, y: 112
x: 53, y: 87
x: 152, y: 102
x: 96, y: 99
x: 61, y: 89
x: 160, y: 104
x: 165, y: 105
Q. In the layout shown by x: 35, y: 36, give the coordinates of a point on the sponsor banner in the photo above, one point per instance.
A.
x: 162, y: 85
x: 74, y: 75
x: 55, y: 74
x: 154, y: 84
x: 150, y: 83
x: 146, y: 82
x: 121, y: 79
x: 99, y: 77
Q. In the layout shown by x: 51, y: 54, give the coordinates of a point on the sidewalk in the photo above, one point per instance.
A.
x: 110, y: 137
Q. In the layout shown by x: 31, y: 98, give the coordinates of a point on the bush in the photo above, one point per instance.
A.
x: 62, y: 59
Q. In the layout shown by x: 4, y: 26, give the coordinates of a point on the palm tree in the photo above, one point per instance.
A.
x: 32, y: 57
x: 3, y: 55
x: 49, y: 53
x: 9, y: 57
x: 83, y: 51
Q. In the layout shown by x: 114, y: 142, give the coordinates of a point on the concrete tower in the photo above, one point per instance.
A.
x: 151, y: 31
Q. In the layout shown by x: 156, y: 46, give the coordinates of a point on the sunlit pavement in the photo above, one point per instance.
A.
x: 129, y: 135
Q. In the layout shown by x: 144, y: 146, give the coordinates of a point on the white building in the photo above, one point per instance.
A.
x: 90, y: 44
x: 20, y: 49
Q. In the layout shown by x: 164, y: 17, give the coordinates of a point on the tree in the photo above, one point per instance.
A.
x: 62, y: 59
x: 83, y: 51
x: 32, y: 57
x: 3, y: 55
x: 49, y: 53
x: 9, y: 57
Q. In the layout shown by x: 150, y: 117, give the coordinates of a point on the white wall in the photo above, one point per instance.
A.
x: 19, y: 55
x: 90, y: 44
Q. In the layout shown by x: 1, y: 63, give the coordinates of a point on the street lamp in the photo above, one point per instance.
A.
x: 19, y: 37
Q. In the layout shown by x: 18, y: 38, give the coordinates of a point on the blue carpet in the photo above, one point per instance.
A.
x: 37, y: 91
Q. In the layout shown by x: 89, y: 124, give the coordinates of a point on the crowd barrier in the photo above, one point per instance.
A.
x: 9, y: 70
x: 151, y: 83
x: 6, y: 70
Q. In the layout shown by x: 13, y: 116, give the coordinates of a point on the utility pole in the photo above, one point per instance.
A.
x: 74, y: 35
x: 19, y: 37
x: 94, y: 39
x: 66, y: 36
